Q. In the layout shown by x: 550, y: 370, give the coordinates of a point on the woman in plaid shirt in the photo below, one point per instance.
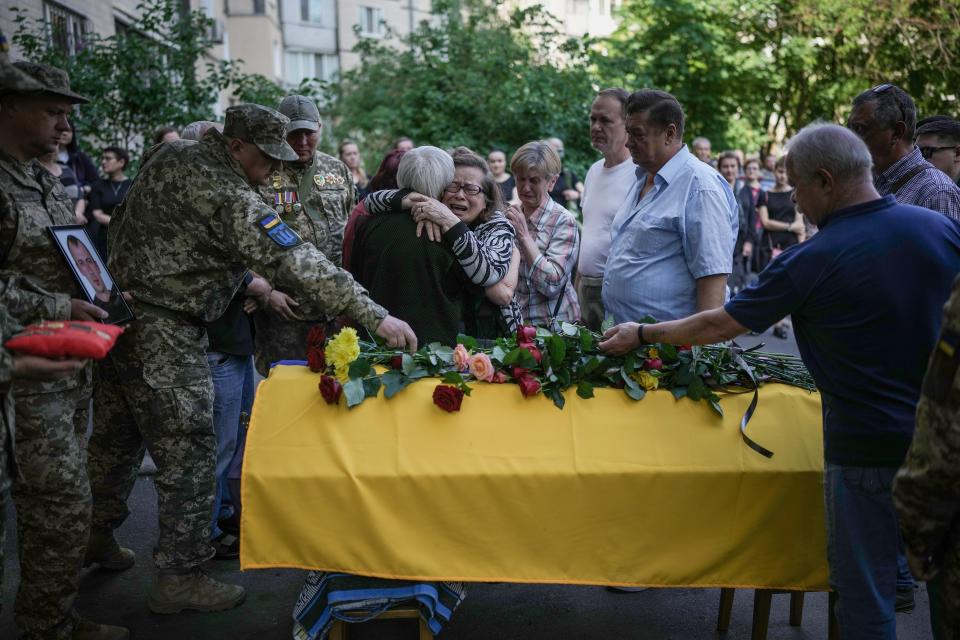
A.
x: 547, y: 236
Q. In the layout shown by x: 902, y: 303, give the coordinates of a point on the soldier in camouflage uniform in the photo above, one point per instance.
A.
x: 51, y: 491
x: 926, y: 491
x: 190, y: 227
x: 313, y: 195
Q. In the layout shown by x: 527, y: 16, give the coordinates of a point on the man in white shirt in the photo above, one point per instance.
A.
x: 605, y: 189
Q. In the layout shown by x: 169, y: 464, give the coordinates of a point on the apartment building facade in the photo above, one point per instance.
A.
x: 283, y: 40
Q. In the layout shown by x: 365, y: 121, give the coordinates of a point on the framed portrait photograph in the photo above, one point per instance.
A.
x: 90, y: 271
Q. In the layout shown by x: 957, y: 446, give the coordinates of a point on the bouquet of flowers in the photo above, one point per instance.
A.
x: 542, y: 362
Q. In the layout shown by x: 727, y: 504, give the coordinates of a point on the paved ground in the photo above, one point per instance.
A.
x: 500, y: 611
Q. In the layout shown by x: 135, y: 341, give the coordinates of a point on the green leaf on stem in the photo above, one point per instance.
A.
x: 354, y: 392
x: 635, y: 392
x: 444, y: 354
x: 569, y: 329
x: 556, y: 395
x: 716, y: 407
x: 393, y: 383
x: 558, y: 350
x: 468, y: 341
x: 408, y: 364
x: 371, y: 386
x: 359, y: 368
x: 498, y: 354
x: 585, y: 389
x: 586, y: 339
x: 678, y: 392
x: 452, y: 377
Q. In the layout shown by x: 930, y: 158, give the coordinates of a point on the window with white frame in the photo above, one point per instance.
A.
x: 311, y: 10
x: 371, y: 21
x: 307, y: 64
x: 65, y: 29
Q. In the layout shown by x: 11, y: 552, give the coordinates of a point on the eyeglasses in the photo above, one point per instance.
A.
x: 880, y: 88
x: 468, y: 189
x: 929, y: 151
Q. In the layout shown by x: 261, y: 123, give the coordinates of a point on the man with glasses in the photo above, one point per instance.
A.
x: 885, y: 117
x: 938, y: 138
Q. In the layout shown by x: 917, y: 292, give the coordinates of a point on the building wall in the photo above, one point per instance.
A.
x: 255, y: 36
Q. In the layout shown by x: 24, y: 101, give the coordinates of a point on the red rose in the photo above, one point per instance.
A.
x: 653, y: 364
x: 316, y: 358
x: 534, y: 352
x: 396, y: 362
x: 499, y: 377
x: 685, y: 347
x: 529, y: 386
x: 330, y: 389
x: 526, y: 334
x: 316, y: 338
x: 518, y: 372
x: 447, y: 397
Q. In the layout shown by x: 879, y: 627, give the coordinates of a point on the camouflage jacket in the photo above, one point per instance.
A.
x: 8, y: 327
x: 315, y: 200
x: 37, y: 283
x: 927, y: 487
x: 190, y: 227
x: 31, y: 200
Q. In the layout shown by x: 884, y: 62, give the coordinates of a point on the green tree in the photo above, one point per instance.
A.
x: 476, y: 76
x: 750, y: 72
x: 145, y: 76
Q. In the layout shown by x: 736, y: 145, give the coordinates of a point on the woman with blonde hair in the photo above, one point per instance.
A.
x: 547, y: 236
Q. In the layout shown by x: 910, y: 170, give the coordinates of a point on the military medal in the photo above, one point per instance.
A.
x: 319, y: 180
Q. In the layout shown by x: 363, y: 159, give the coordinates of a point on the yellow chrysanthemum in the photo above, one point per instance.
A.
x: 342, y: 350
x: 646, y: 379
x: 653, y: 353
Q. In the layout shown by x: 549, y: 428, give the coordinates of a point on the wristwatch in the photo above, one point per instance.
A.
x: 640, y: 334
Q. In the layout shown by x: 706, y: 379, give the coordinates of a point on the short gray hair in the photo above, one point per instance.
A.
x: 195, y: 130
x: 836, y: 149
x: 427, y: 170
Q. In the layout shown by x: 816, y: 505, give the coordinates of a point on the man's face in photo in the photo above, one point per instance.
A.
x: 87, y: 266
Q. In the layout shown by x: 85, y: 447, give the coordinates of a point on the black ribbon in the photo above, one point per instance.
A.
x: 735, y: 353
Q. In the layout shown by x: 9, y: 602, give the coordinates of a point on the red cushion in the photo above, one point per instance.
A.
x: 66, y: 339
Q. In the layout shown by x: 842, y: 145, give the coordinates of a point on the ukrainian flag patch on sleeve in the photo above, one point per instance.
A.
x: 278, y: 231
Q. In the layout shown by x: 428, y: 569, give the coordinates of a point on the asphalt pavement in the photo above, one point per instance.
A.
x: 499, y: 611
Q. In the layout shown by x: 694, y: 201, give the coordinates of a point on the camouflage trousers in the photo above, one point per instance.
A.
x: 52, y: 496
x: 154, y: 391
x: 944, y: 591
x: 277, y: 339
x: 6, y: 472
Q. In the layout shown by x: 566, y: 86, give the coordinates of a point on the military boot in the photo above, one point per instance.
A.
x: 104, y: 550
x: 87, y: 630
x: 174, y: 592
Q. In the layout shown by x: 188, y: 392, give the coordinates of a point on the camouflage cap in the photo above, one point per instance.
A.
x: 261, y: 126
x: 303, y: 113
x: 51, y: 80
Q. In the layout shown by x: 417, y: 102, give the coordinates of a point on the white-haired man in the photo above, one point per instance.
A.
x: 865, y: 295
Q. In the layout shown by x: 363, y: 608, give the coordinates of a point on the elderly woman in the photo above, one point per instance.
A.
x: 466, y: 216
x: 547, y: 237
x: 408, y: 272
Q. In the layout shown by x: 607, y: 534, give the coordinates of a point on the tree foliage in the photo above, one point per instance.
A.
x: 476, y: 75
x: 751, y: 71
x: 155, y: 72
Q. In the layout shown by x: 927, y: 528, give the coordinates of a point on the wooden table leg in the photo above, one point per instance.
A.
x: 338, y: 631
x: 425, y: 633
x: 834, y: 628
x: 796, y: 608
x: 726, y: 608
x: 761, y: 613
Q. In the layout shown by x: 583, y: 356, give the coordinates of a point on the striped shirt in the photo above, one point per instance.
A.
x: 549, y: 279
x: 929, y: 187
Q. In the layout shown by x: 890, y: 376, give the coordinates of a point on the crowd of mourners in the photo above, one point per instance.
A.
x: 235, y: 239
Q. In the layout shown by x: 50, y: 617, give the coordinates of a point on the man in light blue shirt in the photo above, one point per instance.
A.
x: 673, y: 237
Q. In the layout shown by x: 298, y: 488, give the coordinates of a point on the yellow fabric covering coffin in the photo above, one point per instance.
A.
x: 606, y: 491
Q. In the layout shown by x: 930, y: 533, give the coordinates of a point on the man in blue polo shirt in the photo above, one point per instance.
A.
x: 866, y: 296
